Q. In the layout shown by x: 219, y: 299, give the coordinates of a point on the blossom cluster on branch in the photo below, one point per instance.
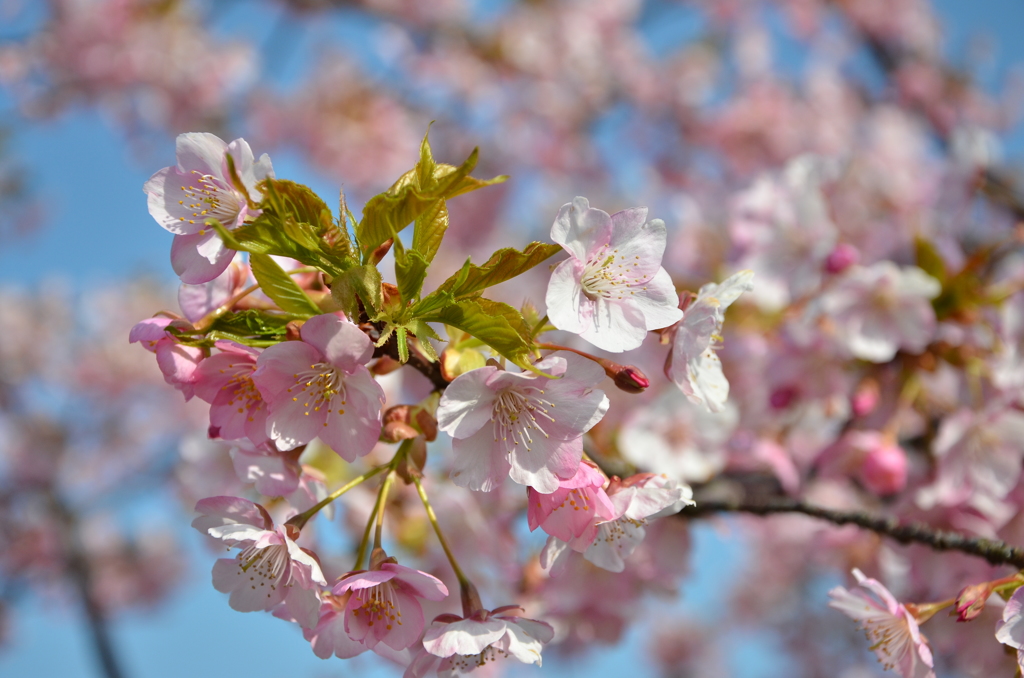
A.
x: 850, y: 217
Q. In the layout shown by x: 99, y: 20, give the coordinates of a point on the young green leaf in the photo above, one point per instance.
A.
x: 415, y: 193
x: 280, y: 287
x: 498, y: 325
x: 505, y: 264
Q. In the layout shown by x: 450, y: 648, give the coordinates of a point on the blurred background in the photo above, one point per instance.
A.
x: 680, y: 105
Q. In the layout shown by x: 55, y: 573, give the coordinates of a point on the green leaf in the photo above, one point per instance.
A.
x: 415, y: 193
x: 401, y: 340
x: 505, y: 264
x: 280, y: 287
x: 929, y: 260
x: 253, y: 322
x: 358, y: 283
x: 430, y: 230
x: 498, y: 325
x: 410, y: 272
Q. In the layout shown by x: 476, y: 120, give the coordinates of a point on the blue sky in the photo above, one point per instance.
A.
x: 98, y: 231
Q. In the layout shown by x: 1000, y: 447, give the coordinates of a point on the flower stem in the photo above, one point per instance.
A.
x: 463, y: 579
x: 381, y: 502
x: 378, y: 508
x: 301, y: 519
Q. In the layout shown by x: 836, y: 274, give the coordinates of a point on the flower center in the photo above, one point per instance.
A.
x: 265, y: 565
x: 518, y: 413
x: 318, y: 387
x: 380, y: 605
x: 209, y: 198
x: 892, y: 639
x: 577, y: 498
x: 609, y: 275
x: 464, y: 663
x: 243, y: 389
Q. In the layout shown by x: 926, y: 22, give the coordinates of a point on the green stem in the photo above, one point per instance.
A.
x: 378, y: 506
x: 381, y: 503
x: 301, y: 519
x: 463, y: 579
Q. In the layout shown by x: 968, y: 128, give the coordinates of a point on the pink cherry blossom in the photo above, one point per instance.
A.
x: 237, y: 409
x: 274, y: 473
x: 692, y: 364
x: 891, y: 628
x: 1010, y: 629
x: 179, y: 364
x: 198, y: 300
x: 612, y: 288
x: 270, y: 570
x: 881, y: 309
x: 199, y: 187
x: 320, y: 387
x: 329, y: 637
x: 465, y: 644
x: 384, y: 605
x: 635, y: 500
x: 520, y: 424
x: 573, y: 511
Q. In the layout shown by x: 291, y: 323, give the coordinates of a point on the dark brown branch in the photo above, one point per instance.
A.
x: 431, y: 370
x: 994, y: 551
x: 79, y: 571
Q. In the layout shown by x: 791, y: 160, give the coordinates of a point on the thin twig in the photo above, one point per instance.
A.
x: 994, y: 551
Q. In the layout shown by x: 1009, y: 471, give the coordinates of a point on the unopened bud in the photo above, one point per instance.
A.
x: 884, y: 470
x: 971, y: 601
x: 381, y: 251
x: 841, y: 258
x: 630, y: 379
x: 627, y: 377
x: 384, y: 365
x: 292, y: 331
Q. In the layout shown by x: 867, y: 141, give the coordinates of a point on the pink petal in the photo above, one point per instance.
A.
x: 200, y: 257
x: 466, y: 404
x: 479, y: 464
x: 341, y: 342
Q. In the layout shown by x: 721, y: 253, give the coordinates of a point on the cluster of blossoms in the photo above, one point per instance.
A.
x: 875, y: 361
x: 305, y: 371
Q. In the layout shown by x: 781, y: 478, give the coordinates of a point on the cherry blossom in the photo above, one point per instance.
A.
x: 199, y: 187
x: 384, y: 606
x: 178, y: 363
x: 320, y: 387
x: 329, y: 637
x: 1010, y: 629
x: 635, y: 500
x: 692, y: 364
x: 572, y: 512
x: 270, y: 570
x: 464, y: 644
x: 237, y: 409
x: 612, y: 288
x: 882, y: 308
x: 521, y: 424
x: 890, y: 627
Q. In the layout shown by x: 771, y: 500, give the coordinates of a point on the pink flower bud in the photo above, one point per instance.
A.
x: 971, y: 601
x: 782, y: 397
x: 865, y: 398
x: 841, y: 258
x: 631, y: 380
x: 884, y: 470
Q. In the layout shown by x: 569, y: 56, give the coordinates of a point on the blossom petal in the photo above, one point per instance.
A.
x: 467, y: 403
x: 200, y: 257
x: 479, y: 464
x: 467, y: 636
x: 341, y: 342
x: 581, y: 229
x: 568, y: 308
